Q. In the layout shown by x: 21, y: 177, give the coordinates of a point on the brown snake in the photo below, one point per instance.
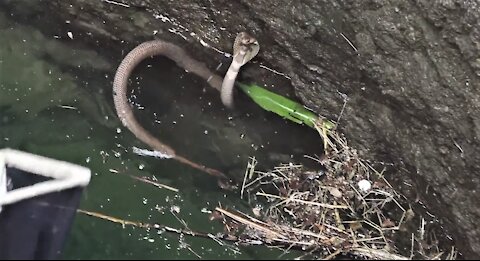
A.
x: 245, y: 48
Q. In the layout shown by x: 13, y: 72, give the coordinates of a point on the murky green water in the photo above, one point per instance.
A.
x: 55, y: 100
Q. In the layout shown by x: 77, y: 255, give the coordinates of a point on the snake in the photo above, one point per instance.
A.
x: 245, y: 48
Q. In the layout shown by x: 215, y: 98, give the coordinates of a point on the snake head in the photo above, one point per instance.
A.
x: 246, y: 46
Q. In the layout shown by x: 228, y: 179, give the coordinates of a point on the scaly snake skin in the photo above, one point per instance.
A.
x: 245, y: 48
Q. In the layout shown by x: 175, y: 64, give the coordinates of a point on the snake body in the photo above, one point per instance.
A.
x: 245, y: 48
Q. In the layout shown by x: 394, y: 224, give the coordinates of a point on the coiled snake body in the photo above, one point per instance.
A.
x: 245, y: 48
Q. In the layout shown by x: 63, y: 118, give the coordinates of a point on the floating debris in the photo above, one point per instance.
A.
x: 154, y: 153
x: 364, y: 185
x: 343, y: 209
x: 68, y: 107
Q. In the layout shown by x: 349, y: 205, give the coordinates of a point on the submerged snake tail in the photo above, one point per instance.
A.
x: 208, y: 170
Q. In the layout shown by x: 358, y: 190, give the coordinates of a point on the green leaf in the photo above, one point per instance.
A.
x: 282, y: 106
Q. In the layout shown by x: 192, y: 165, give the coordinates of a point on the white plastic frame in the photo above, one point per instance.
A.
x: 64, y: 175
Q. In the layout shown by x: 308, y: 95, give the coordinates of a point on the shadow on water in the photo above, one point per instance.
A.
x: 55, y: 100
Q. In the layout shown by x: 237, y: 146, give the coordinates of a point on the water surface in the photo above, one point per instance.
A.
x: 55, y: 100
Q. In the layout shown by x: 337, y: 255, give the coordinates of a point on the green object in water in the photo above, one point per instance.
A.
x: 282, y: 106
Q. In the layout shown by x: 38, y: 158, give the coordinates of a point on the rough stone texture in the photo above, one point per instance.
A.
x: 409, y: 72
